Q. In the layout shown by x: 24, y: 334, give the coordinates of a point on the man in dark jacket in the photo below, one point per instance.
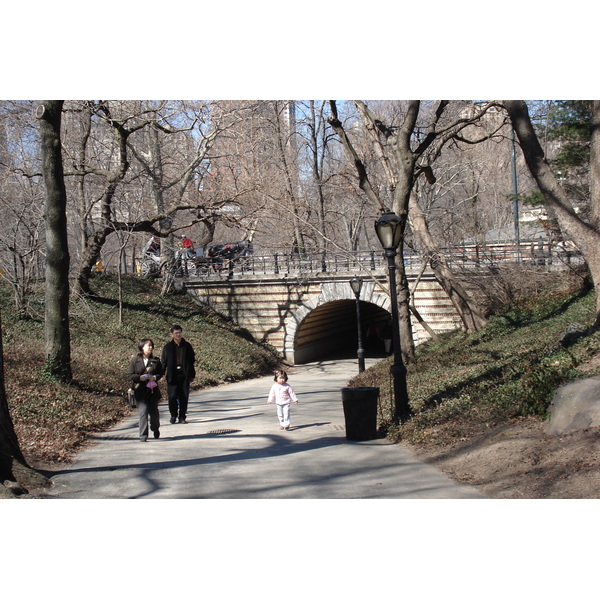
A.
x: 178, y: 363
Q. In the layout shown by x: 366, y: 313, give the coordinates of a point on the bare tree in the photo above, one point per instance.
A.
x: 21, y: 204
x: 283, y: 156
x: 275, y: 165
x: 58, y: 338
x: 21, y: 243
x: 437, y: 135
x: 336, y: 210
x: 317, y: 143
x: 175, y: 158
x: 158, y: 150
x: 122, y: 125
x: 470, y: 313
x: 585, y: 234
x: 400, y: 153
x: 399, y: 203
x: 13, y: 466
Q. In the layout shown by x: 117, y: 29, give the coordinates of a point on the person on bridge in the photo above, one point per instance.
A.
x: 283, y: 395
x: 178, y: 359
x: 152, y: 247
x: 188, y: 246
x: 144, y: 371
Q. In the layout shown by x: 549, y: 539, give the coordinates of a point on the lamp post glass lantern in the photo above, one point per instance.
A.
x: 356, y: 285
x: 389, y: 230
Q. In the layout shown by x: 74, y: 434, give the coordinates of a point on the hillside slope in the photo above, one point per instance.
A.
x: 481, y: 401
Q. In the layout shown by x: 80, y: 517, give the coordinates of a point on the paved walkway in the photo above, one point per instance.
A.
x: 232, y: 448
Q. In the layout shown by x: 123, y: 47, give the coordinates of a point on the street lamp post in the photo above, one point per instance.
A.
x: 515, y: 198
x: 356, y: 285
x: 389, y: 231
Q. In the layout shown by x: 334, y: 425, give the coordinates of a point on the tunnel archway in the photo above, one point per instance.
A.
x: 326, y: 328
x: 330, y: 332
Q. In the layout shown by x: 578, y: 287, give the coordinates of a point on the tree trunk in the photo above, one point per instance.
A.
x: 58, y: 341
x: 285, y: 141
x: 595, y: 166
x: 317, y: 148
x: 415, y: 312
x: 585, y: 235
x: 469, y: 312
x: 407, y: 342
x: 400, y: 206
x: 82, y: 205
x: 91, y: 253
x: 13, y: 466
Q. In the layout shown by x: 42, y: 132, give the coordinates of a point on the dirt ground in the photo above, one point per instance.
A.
x: 522, y: 461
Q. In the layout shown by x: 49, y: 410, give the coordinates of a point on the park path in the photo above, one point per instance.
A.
x: 232, y: 448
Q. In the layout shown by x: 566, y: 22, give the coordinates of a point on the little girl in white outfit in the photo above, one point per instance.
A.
x: 283, y: 395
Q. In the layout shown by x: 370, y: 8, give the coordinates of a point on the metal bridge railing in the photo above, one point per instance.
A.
x: 463, y: 257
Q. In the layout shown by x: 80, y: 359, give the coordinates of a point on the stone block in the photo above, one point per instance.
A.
x: 575, y: 406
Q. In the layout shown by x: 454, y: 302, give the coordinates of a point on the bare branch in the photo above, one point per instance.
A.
x: 363, y: 179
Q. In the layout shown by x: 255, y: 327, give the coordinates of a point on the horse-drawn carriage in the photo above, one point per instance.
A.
x: 189, y: 262
x: 218, y: 258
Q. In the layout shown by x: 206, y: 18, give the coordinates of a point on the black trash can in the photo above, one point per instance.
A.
x: 360, y: 412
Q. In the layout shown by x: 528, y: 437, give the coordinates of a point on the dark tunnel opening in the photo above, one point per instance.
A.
x: 329, y: 332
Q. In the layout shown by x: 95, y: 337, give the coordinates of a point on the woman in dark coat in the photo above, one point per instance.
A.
x: 145, y: 370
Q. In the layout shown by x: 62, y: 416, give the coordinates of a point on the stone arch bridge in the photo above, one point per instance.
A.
x: 305, y: 308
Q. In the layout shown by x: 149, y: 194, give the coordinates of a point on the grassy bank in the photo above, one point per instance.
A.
x: 467, y: 384
x: 52, y: 419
